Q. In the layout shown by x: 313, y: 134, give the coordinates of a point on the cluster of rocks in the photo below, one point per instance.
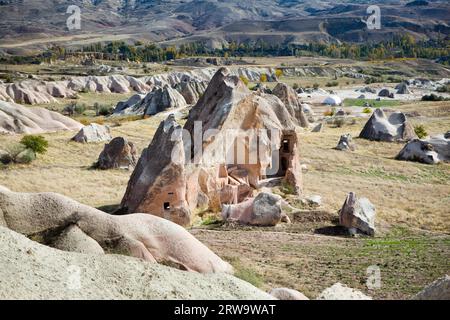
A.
x: 396, y: 128
x: 173, y: 188
x: 158, y: 100
x: 40, y: 92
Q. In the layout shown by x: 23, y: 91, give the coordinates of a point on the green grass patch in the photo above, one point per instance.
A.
x: 374, y: 103
x: 246, y: 273
x: 249, y: 275
x: 374, y: 173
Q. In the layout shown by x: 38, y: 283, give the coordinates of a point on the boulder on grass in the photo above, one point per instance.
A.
x: 403, y: 88
x: 438, y: 290
x: 345, y: 143
x: 264, y: 210
x: 358, y: 214
x: 93, y: 133
x: 118, y: 154
x: 287, y: 294
x: 394, y: 127
x: 384, y: 93
x: 341, y: 292
x: 431, y: 151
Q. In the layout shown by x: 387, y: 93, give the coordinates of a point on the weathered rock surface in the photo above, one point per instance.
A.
x: 18, y: 119
x: 58, y: 275
x: 386, y: 93
x: 345, y: 143
x: 158, y: 100
x: 292, y: 103
x: 49, y: 218
x: 158, y: 183
x: 394, y: 127
x: 40, y: 92
x: 333, y: 100
x: 208, y: 163
x: 438, y: 290
x: 93, y: 133
x: 341, y: 292
x: 264, y: 210
x: 318, y: 128
x: 118, y: 154
x: 127, y: 106
x: 359, y: 214
x: 192, y: 90
x: 431, y: 151
x: 287, y: 294
x: 403, y: 88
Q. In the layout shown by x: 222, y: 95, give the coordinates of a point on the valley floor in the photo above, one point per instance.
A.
x: 412, y: 202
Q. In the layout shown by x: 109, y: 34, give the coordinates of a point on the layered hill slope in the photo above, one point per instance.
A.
x: 40, y: 22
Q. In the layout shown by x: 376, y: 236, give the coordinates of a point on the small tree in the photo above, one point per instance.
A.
x: 279, y: 73
x: 263, y: 78
x: 420, y: 131
x: 36, y: 143
x: 244, y: 80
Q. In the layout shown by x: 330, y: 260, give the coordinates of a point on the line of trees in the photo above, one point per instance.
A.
x: 403, y: 46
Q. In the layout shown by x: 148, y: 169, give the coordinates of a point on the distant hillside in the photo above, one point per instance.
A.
x: 39, y: 23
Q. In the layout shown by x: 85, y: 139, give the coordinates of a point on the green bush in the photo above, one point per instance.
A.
x: 25, y: 157
x: 445, y: 88
x: 244, y: 80
x: 332, y: 84
x: 433, y: 97
x: 420, y: 131
x: 105, y: 111
x: 36, y: 143
x: 367, y: 110
x: 316, y: 86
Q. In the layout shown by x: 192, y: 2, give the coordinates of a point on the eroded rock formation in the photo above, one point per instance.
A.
x: 118, y: 154
x: 292, y: 103
x: 233, y: 139
x: 431, y: 151
x: 358, y: 214
x: 58, y: 221
x: 93, y: 133
x: 18, y: 119
x: 394, y: 127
